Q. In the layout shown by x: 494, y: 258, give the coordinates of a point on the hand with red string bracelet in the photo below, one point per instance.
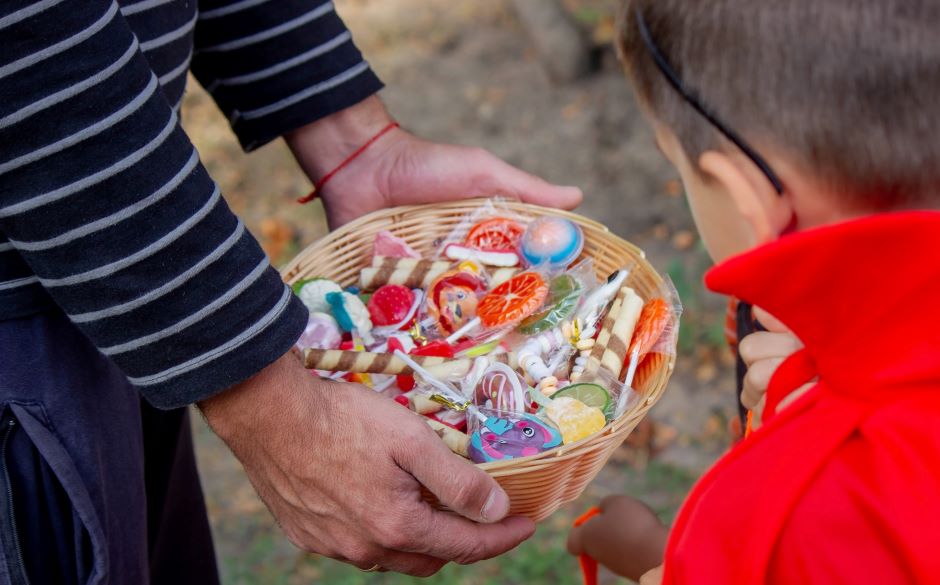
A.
x: 622, y: 534
x: 360, y: 160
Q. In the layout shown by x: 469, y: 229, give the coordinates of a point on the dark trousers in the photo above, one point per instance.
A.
x: 97, y: 486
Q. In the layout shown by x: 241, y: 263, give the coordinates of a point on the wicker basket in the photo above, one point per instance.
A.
x: 537, y: 485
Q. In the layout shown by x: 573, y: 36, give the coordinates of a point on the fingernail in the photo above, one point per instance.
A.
x: 496, y: 506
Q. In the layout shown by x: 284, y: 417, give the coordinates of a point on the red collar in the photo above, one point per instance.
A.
x: 863, y: 296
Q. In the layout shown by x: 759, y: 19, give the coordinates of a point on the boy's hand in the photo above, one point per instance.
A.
x: 763, y: 352
x: 626, y: 537
x: 652, y: 577
x: 401, y: 169
x: 341, y: 469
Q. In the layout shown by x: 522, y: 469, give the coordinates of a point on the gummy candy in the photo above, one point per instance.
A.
x: 575, y: 419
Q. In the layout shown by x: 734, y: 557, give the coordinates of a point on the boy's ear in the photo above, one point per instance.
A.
x: 760, y: 205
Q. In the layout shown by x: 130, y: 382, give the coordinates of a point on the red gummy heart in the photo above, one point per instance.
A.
x: 390, y: 304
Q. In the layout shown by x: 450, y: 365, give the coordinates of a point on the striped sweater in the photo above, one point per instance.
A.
x: 106, y: 212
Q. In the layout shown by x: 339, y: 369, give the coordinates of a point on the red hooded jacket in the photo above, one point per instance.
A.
x: 843, y: 486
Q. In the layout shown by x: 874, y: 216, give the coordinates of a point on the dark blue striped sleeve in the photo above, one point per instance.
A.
x: 275, y: 65
x: 106, y: 208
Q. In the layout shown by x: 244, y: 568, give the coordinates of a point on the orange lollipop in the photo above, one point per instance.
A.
x: 495, y: 234
x: 653, y: 320
x: 513, y: 300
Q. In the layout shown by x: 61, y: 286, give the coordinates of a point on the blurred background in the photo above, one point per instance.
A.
x: 542, y: 89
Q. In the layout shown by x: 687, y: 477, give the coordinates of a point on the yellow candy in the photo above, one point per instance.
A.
x: 574, y: 418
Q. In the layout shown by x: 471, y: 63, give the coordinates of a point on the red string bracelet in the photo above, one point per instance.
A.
x: 318, y: 186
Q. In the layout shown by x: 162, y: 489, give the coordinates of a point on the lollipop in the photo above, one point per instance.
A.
x: 453, y: 297
x: 497, y: 234
x: 551, y: 240
x: 514, y: 300
x: 653, y: 320
x: 502, y: 389
x: 502, y: 438
x: 322, y: 332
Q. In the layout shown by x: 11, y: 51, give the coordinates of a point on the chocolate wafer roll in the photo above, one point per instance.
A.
x: 404, y: 271
x: 363, y: 362
x: 455, y: 440
x: 610, y: 351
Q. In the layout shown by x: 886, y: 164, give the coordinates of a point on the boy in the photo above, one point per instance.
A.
x: 805, y: 133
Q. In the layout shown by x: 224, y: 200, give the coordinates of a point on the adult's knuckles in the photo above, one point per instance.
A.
x: 403, y: 530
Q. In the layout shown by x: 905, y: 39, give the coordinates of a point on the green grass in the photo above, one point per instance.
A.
x: 262, y: 555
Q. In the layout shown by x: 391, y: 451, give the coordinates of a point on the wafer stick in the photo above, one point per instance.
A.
x: 404, y: 271
x: 363, y: 362
x: 455, y: 440
x: 610, y: 351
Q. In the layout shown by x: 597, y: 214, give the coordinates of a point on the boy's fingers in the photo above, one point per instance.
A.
x: 794, y: 396
x: 575, y: 543
x: 763, y: 345
x: 770, y: 322
x: 757, y: 379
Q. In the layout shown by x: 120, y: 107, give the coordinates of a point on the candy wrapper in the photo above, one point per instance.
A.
x: 500, y: 436
x: 489, y: 235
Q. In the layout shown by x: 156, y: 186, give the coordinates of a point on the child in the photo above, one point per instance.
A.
x: 806, y: 134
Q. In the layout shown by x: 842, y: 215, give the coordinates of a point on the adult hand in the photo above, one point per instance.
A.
x: 340, y: 467
x: 401, y: 169
x: 763, y: 352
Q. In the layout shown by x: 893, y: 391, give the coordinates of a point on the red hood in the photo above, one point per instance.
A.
x: 863, y: 297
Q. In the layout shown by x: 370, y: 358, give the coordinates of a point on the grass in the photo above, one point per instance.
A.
x: 263, y: 555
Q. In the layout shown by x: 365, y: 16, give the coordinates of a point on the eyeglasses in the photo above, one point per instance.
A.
x: 691, y: 96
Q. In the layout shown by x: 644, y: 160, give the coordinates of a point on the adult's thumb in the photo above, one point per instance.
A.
x: 457, y: 483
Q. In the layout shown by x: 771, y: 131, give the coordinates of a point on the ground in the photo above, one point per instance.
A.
x: 463, y: 71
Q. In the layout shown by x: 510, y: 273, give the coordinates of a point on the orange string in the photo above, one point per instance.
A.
x: 588, y: 564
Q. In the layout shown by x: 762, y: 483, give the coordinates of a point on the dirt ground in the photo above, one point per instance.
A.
x: 464, y: 71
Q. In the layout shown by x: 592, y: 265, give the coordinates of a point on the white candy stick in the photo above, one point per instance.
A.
x: 467, y: 328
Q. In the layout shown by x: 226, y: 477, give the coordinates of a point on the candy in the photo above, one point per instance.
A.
x: 455, y: 440
x: 453, y: 298
x: 574, y: 419
x: 404, y: 271
x: 389, y: 245
x: 351, y: 313
x: 390, y: 304
x: 612, y: 351
x: 502, y: 438
x: 564, y: 291
x: 512, y: 301
x: 551, y: 240
x: 497, y: 234
x: 336, y: 360
x: 312, y: 293
x: 589, y: 394
x: 653, y: 319
x: 487, y: 257
x: 501, y: 389
x: 322, y: 332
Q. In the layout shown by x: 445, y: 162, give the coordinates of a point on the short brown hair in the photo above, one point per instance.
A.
x: 849, y: 90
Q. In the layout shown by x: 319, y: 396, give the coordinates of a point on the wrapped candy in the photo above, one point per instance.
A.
x: 351, y: 314
x: 322, y: 332
x: 501, y: 388
x: 499, y: 438
x: 575, y: 419
x: 551, y: 240
x: 453, y: 298
x: 388, y: 245
x: 312, y: 293
x: 393, y: 307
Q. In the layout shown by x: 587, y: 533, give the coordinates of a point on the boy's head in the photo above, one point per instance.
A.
x: 839, y: 99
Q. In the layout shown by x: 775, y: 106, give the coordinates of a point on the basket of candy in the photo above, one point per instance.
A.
x: 532, y: 340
